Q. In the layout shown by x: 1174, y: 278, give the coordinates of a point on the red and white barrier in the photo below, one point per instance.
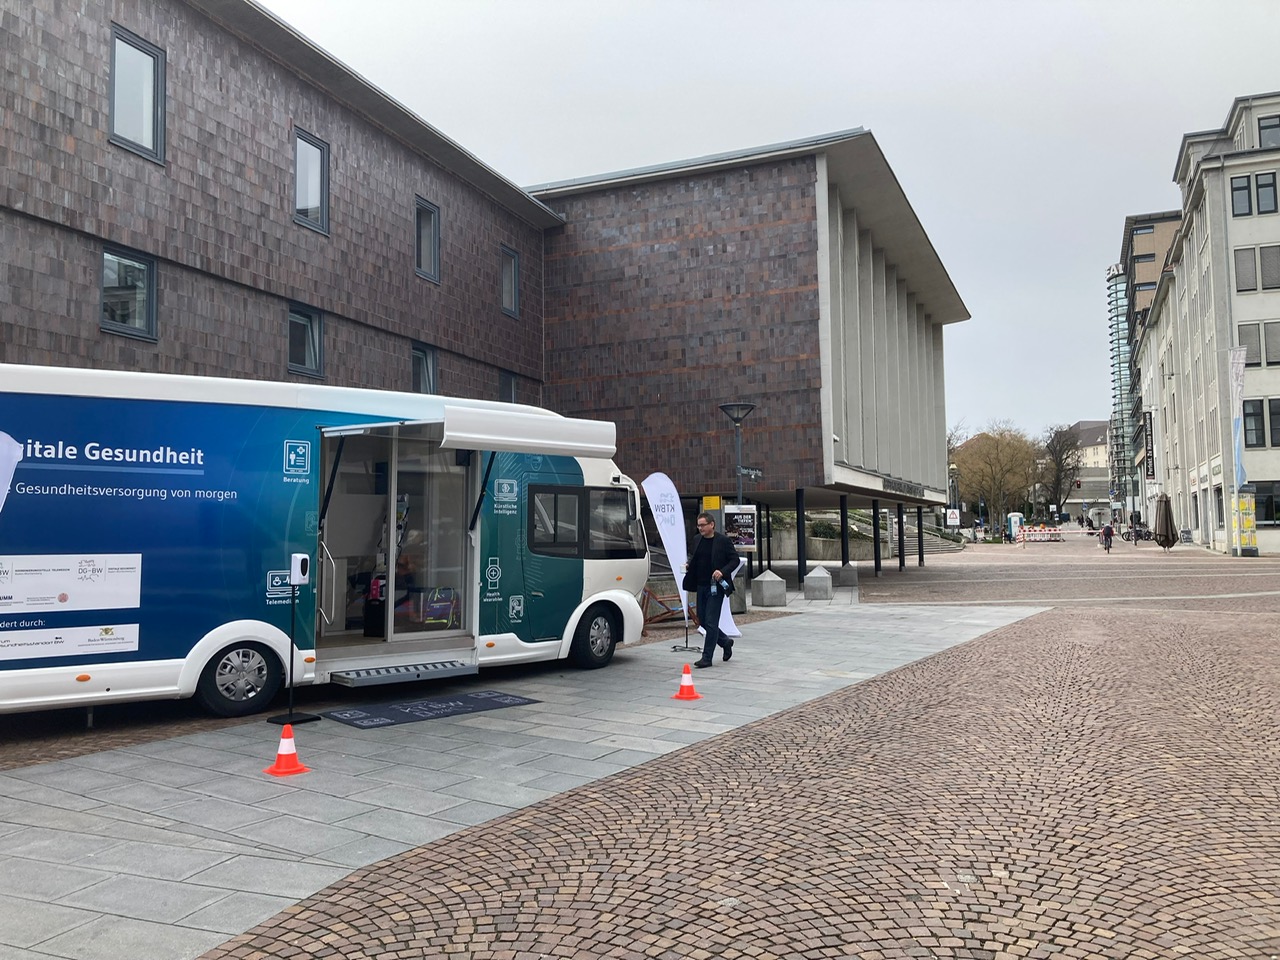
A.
x: 1039, y: 534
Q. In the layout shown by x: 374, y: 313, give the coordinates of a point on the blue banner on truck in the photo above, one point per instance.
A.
x: 130, y: 528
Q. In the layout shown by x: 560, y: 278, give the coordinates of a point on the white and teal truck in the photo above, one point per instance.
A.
x: 147, y: 523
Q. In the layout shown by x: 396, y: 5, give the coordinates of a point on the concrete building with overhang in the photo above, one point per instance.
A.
x: 795, y: 277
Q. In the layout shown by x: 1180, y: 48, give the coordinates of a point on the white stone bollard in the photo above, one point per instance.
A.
x: 847, y: 575
x: 817, y: 584
x: 768, y: 590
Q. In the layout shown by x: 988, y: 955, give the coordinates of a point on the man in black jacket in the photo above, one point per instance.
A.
x: 713, y: 561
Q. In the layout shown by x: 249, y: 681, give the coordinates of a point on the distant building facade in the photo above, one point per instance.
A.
x: 1219, y: 297
x: 1092, y: 498
x: 1131, y: 286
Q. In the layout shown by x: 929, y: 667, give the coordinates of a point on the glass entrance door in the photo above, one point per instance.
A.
x: 430, y: 554
x: 354, y: 536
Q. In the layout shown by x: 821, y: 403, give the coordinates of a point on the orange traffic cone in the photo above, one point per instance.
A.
x: 686, y: 691
x: 287, y: 756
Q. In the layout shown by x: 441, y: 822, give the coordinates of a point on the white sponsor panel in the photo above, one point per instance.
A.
x: 46, y: 584
x: 664, y: 504
x: 68, y: 641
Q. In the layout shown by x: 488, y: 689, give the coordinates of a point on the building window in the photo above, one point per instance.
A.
x: 1265, y: 495
x: 1241, y: 201
x: 506, y: 386
x: 1144, y: 258
x: 1217, y: 507
x: 1254, y: 431
x: 1274, y: 405
x: 1265, y: 187
x: 424, y: 369
x: 311, y: 181
x: 306, y: 341
x: 137, y: 94
x: 1139, y: 231
x: 1271, y: 339
x: 129, y: 293
x: 510, y: 282
x: 1251, y: 339
x: 1246, y: 270
x: 1269, y: 258
x: 1268, y: 132
x: 427, y: 263
x: 1141, y: 287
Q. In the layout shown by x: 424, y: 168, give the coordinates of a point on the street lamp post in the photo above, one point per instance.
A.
x: 737, y: 412
x: 954, y: 473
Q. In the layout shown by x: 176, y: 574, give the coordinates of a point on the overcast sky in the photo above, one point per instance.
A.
x: 1023, y: 132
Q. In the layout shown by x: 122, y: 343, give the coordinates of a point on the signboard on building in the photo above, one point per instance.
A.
x: 1149, y: 460
x: 740, y: 526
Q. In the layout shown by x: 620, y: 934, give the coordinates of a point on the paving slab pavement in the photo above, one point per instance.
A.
x: 164, y: 849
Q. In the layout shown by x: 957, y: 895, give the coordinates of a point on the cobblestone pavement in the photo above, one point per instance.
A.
x: 1099, y: 780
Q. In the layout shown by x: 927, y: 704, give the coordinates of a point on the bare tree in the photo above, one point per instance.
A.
x: 1060, y: 463
x: 996, y: 465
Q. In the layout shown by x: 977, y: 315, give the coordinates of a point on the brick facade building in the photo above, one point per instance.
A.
x: 190, y: 186
x: 200, y: 199
x: 795, y: 277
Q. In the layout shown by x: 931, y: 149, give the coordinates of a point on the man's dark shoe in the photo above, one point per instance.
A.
x: 728, y: 650
x: 702, y: 663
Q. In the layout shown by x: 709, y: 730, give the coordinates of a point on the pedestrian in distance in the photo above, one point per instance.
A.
x: 711, y: 557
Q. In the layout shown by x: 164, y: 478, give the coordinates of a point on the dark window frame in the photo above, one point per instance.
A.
x: 1255, y: 428
x: 430, y: 271
x: 1265, y: 182
x: 321, y: 225
x: 558, y: 545
x: 1246, y: 280
x: 506, y: 386
x: 151, y: 332
x: 427, y: 373
x: 1273, y: 409
x: 1265, y: 127
x: 315, y: 323
x: 507, y: 256
x: 1144, y: 258
x: 159, y: 102
x: 1269, y: 267
x: 581, y: 548
x: 1241, y: 196
x: 1270, y: 345
x: 1252, y: 344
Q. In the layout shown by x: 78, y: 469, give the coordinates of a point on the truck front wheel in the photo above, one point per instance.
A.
x: 240, y: 680
x: 597, y: 635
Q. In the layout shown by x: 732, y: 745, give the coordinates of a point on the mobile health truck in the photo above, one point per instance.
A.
x: 147, y: 523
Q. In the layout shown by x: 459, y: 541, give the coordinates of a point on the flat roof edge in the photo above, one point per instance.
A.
x: 711, y: 161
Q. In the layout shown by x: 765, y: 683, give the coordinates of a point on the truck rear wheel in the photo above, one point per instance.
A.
x: 240, y: 680
x: 596, y: 637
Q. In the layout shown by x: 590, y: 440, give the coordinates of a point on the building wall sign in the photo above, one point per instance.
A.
x: 1150, y: 456
x: 903, y: 487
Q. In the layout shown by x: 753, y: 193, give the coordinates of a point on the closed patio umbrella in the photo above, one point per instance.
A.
x: 1165, y: 530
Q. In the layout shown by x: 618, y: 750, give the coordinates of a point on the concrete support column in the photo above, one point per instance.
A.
x: 902, y: 539
x: 920, y: 533
x: 801, y: 560
x: 875, y: 534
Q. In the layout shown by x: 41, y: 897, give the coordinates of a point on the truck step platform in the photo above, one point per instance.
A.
x: 405, y: 673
